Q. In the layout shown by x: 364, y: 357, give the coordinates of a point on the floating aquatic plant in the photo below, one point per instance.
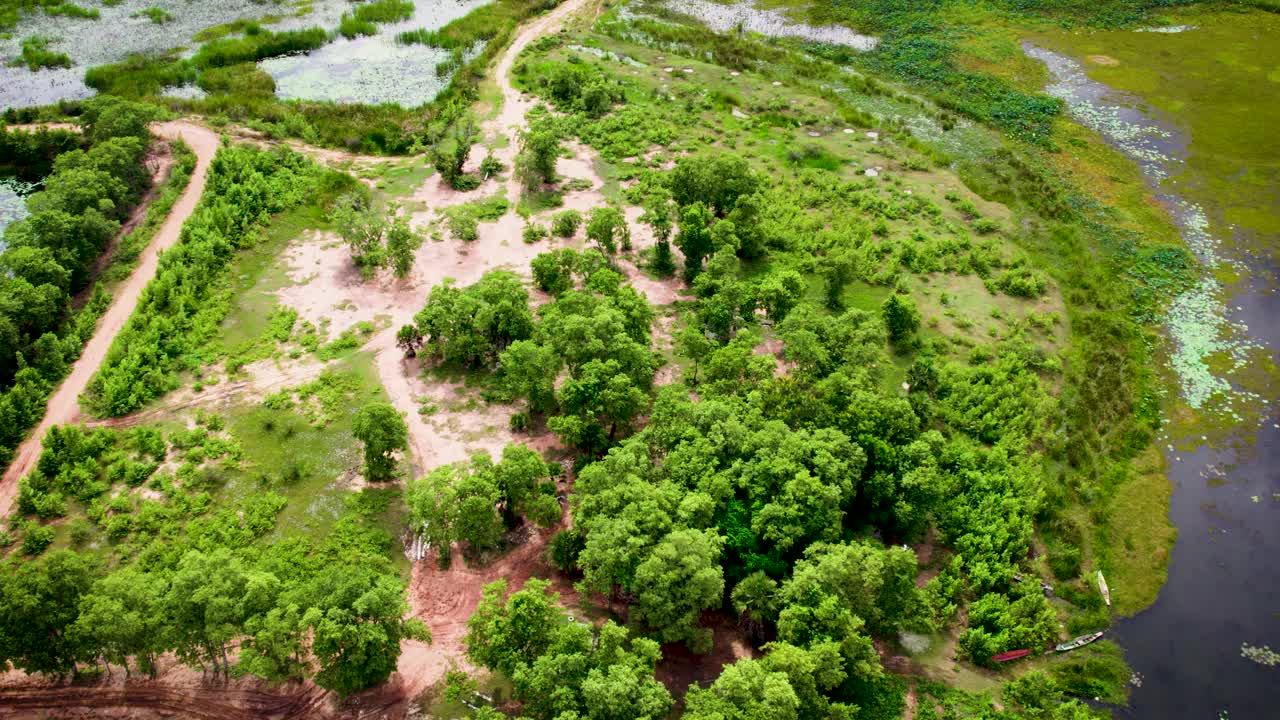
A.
x: 773, y: 23
x: 13, y: 200
x: 1262, y: 655
x: 1196, y: 318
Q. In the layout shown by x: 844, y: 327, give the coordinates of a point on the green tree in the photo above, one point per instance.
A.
x: 755, y: 598
x: 409, y: 339
x: 505, y: 633
x: 363, y: 228
x: 205, y: 607
x: 529, y: 370
x: 539, y: 150
x: 473, y: 325
x: 901, y: 318
x: 401, y: 241
x: 607, y: 227
x: 876, y: 583
x: 694, y: 238
x: 598, y: 404
x: 384, y: 432
x: 681, y: 578
x: 39, y: 603
x: 460, y: 503
x: 356, y: 616
x: 779, y: 292
x: 121, y: 618
x: 715, y: 179
x: 691, y: 342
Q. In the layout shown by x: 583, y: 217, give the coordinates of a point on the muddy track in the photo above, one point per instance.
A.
x: 64, y: 405
x: 210, y: 702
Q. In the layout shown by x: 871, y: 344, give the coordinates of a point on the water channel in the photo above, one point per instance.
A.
x: 1223, y: 591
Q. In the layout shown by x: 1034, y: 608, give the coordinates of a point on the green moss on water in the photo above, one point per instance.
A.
x: 1214, y: 81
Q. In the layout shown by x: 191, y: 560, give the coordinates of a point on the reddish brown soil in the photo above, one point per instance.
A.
x: 680, y: 667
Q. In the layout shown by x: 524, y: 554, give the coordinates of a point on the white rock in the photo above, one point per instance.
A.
x: 871, y: 172
x: 734, y: 73
x: 739, y: 114
x: 668, y: 69
x: 873, y: 135
x: 814, y: 134
x: 688, y: 70
x: 848, y: 131
x: 777, y: 83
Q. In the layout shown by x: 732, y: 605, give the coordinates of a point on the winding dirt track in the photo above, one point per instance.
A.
x: 64, y: 405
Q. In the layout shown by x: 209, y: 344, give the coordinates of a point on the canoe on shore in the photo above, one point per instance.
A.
x: 1079, y: 642
x: 1011, y: 655
x: 1102, y: 588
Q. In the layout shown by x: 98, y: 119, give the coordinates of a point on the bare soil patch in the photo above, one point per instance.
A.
x: 681, y: 667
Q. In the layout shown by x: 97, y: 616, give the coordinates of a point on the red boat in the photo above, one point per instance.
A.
x: 1011, y: 655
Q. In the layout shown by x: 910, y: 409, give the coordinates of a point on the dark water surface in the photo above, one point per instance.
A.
x: 1223, y: 589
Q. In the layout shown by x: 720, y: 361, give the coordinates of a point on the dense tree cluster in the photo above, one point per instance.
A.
x: 564, y: 670
x: 195, y: 581
x: 48, y: 255
x: 596, y: 328
x: 476, y: 502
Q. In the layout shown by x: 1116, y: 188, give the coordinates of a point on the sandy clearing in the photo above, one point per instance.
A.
x: 64, y: 405
x: 260, y: 379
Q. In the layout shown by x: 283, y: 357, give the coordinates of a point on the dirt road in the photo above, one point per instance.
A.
x: 64, y: 404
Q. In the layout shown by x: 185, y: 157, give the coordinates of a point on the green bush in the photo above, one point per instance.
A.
x: 566, y: 223
x: 534, y: 232
x: 36, y: 54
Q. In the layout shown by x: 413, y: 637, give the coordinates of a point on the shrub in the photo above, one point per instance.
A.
x: 565, y: 223
x: 36, y: 54
x: 534, y: 232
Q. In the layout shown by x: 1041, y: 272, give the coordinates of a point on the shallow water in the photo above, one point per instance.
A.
x: 13, y: 201
x: 117, y: 35
x: 373, y: 69
x: 1223, y: 588
x: 772, y: 23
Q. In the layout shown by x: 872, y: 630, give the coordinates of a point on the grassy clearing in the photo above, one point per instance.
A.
x: 312, y: 459
x: 1134, y: 537
x: 259, y: 271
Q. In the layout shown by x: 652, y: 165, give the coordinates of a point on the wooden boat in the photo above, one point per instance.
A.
x: 1079, y: 642
x: 1011, y: 655
x: 1102, y: 588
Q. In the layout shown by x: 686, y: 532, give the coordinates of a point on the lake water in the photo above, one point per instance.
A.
x: 13, y: 201
x: 373, y: 69
x: 117, y: 35
x: 1223, y: 589
x: 724, y: 17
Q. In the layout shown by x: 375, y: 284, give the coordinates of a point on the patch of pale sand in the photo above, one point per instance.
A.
x: 254, y: 382
x: 773, y: 346
x: 448, y: 435
x: 642, y: 237
x: 327, y: 285
x: 657, y: 292
x: 498, y: 245
x: 1102, y: 60
x: 436, y: 193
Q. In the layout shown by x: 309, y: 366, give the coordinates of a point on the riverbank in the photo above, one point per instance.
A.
x: 1212, y: 166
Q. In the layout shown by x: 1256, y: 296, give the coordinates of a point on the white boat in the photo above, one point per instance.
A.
x: 1078, y: 642
x: 1102, y: 588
